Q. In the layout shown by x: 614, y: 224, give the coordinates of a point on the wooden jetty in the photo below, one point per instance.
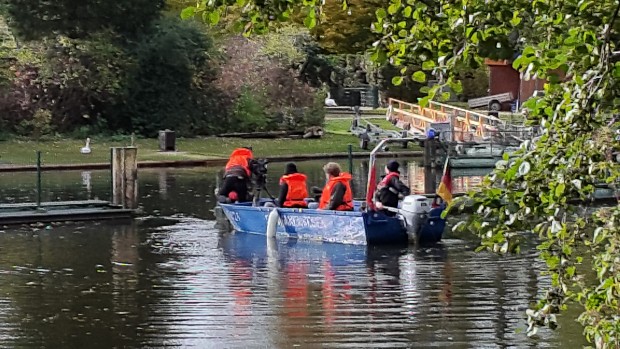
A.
x: 471, y: 139
x: 123, y: 176
x: 59, y: 211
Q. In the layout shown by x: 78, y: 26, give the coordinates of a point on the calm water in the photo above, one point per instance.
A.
x: 172, y: 279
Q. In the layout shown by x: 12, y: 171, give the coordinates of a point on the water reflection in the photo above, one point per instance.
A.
x: 172, y: 279
x: 166, y: 192
x: 86, y: 183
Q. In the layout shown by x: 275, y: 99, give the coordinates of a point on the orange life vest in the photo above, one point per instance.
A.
x: 297, y: 190
x: 347, y: 204
x: 240, y: 157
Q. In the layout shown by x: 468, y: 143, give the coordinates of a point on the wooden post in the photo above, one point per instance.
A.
x: 39, y: 180
x: 430, y: 152
x: 452, y: 121
x: 427, y: 153
x: 125, y: 177
x: 350, y: 152
x: 429, y: 180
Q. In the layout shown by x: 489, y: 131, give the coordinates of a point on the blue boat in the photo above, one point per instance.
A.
x: 416, y: 221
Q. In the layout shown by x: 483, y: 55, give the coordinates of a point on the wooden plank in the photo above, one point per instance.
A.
x: 64, y: 212
x: 471, y: 112
x: 26, y: 217
x: 55, y: 203
x: 413, y: 115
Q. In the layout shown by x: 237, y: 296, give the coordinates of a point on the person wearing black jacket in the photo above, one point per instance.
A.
x: 390, y: 189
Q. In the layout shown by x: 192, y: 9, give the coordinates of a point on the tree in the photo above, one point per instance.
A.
x: 265, y: 83
x: 73, y: 80
x: 533, y: 195
x: 347, y: 32
x: 79, y: 18
x: 171, y: 83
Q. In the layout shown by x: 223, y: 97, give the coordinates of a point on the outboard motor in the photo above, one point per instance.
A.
x: 414, y: 210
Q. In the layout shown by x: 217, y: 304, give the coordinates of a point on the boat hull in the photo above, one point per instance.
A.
x: 348, y: 227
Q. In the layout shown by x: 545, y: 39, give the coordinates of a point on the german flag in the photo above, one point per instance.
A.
x: 445, y: 187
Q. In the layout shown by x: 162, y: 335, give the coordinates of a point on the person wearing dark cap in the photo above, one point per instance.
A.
x: 390, y: 189
x: 293, y: 188
x: 237, y: 175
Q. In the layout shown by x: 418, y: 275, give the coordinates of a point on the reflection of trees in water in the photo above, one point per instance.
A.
x: 478, y: 292
x: 71, y: 285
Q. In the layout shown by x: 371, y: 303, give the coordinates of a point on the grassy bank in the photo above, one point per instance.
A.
x: 67, y: 151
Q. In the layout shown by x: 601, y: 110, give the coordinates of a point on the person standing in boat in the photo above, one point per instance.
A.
x: 390, y: 189
x: 337, y: 194
x: 237, y: 174
x: 293, y: 188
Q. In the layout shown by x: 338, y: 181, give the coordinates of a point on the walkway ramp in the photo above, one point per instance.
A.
x: 468, y: 126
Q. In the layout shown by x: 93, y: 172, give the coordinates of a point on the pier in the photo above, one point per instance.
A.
x: 123, y: 204
x: 471, y: 139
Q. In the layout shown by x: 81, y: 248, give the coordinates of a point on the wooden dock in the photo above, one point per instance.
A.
x: 59, y: 211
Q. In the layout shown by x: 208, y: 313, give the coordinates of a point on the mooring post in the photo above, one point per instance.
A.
x: 38, y: 179
x: 430, y: 152
x: 430, y: 178
x: 125, y: 177
x: 111, y: 174
x: 350, y: 147
x: 427, y: 153
x: 434, y: 147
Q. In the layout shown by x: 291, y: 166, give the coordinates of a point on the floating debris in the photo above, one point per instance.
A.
x: 123, y: 264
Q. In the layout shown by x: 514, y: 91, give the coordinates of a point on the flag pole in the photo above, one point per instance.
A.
x: 445, y: 166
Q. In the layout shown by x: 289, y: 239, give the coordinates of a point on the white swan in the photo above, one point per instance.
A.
x: 329, y: 102
x: 86, y: 148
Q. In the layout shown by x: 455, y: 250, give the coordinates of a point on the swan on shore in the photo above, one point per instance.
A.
x: 329, y: 102
x: 86, y: 148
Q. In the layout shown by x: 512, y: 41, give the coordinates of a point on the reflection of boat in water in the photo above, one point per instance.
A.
x: 256, y: 249
x: 336, y: 288
x: 416, y: 221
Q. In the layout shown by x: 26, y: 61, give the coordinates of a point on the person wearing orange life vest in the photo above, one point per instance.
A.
x: 390, y: 189
x: 293, y: 189
x: 337, y: 194
x: 237, y: 174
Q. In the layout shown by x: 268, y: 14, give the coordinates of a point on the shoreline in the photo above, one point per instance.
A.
x: 204, y: 162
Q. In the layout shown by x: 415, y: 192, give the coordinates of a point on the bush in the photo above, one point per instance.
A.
x: 475, y: 82
x: 249, y: 112
x: 276, y: 90
x: 76, y: 81
x: 40, y: 124
x: 32, y: 20
x: 169, y: 85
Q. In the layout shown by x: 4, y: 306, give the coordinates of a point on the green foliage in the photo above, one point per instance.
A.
x: 535, y: 194
x: 40, y: 124
x: 170, y: 77
x: 475, y: 82
x: 276, y: 85
x: 75, y: 80
x: 314, y: 115
x: 32, y: 20
x: 249, y: 112
x: 283, y: 45
x: 348, y: 31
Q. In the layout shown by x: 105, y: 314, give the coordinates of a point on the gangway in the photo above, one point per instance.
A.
x: 467, y: 125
